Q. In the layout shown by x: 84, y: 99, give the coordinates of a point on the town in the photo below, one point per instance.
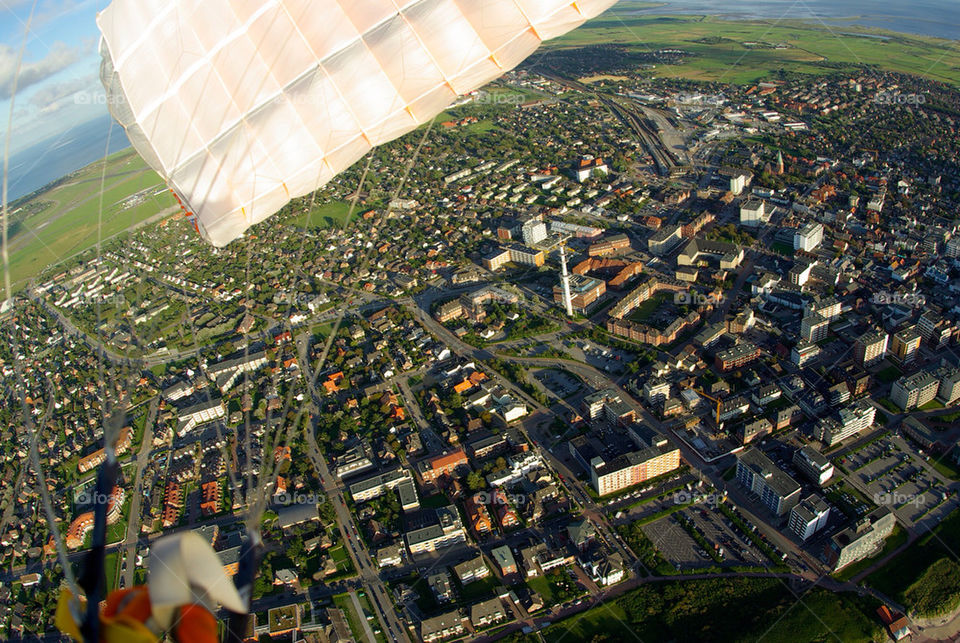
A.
x: 587, y: 333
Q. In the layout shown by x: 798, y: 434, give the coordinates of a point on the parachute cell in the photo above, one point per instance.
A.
x: 241, y: 106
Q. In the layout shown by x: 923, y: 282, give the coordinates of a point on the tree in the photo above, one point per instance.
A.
x: 475, y: 481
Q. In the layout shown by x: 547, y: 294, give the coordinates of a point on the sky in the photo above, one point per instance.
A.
x: 59, y: 87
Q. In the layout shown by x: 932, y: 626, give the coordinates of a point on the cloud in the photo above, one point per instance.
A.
x: 49, y: 96
x: 59, y: 57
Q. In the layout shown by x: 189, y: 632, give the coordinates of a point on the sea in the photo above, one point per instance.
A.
x: 32, y: 168
x: 938, y: 18
x: 43, y: 163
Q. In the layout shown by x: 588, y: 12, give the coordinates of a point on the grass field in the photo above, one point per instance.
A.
x: 343, y: 602
x: 710, y: 611
x: 902, y: 573
x: 110, y: 570
x: 72, y: 216
x: 723, y: 57
x: 937, y: 592
x: 946, y: 467
x: 821, y: 616
x: 332, y: 214
x: 609, y: 619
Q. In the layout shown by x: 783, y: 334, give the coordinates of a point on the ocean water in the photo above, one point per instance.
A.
x: 939, y: 18
x: 45, y: 162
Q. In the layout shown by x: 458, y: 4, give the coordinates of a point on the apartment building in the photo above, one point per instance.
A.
x: 915, y: 390
x: 757, y: 473
x: 813, y: 465
x: 870, y: 348
x: 809, y: 516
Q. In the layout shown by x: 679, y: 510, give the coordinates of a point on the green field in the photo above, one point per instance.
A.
x: 937, y: 592
x: 898, y: 579
x: 721, y: 55
x: 332, y: 214
x: 724, y: 611
x: 110, y: 570
x: 609, y: 619
x: 71, y: 217
x: 343, y: 602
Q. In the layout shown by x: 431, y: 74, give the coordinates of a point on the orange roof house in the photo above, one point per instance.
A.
x: 209, y: 498
x: 478, y: 516
x: 462, y: 387
x: 332, y: 382
x: 77, y: 531
x: 505, y: 513
x: 438, y: 466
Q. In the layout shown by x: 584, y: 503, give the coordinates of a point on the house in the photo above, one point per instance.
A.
x: 441, y: 586
x: 487, y: 613
x: 895, y: 622
x: 285, y: 577
x: 471, y: 570
x: 606, y: 570
x: 441, y: 627
x: 296, y: 514
x: 478, y: 516
x: 582, y: 534
x: 504, y: 559
x: 390, y: 556
x: 433, y: 468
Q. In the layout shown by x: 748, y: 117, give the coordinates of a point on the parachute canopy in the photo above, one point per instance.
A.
x: 241, y: 105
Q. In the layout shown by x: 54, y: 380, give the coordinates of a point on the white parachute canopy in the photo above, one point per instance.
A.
x: 241, y: 105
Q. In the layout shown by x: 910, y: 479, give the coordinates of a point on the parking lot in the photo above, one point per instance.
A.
x: 737, y: 549
x: 675, y: 544
x: 603, y: 358
x: 892, y: 474
x: 560, y: 383
x: 679, y: 548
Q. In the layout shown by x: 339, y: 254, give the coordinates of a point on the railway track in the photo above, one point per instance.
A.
x: 637, y: 122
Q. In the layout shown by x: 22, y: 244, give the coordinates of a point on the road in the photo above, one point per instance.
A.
x: 569, y: 480
x: 133, y: 525
x: 368, y: 570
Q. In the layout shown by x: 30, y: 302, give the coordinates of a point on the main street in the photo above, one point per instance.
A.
x: 569, y: 480
x: 367, y: 569
x: 133, y: 526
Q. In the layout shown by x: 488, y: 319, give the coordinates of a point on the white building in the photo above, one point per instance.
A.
x: 808, y: 237
x: 534, y: 231
x: 813, y: 465
x: 753, y: 213
x: 809, y: 516
x: 193, y: 416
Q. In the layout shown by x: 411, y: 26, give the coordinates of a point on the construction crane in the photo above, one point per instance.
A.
x: 710, y: 397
